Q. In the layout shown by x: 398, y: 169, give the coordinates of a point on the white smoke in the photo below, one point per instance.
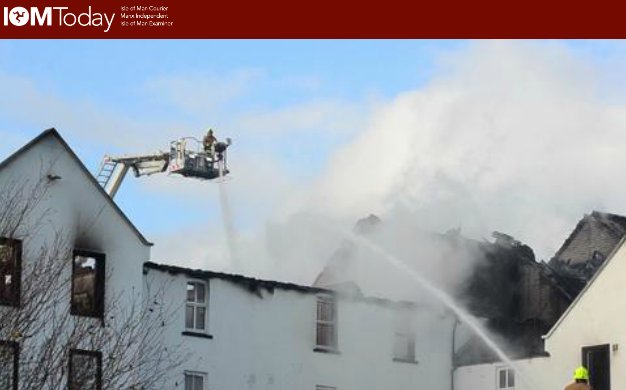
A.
x: 519, y: 137
x: 509, y: 136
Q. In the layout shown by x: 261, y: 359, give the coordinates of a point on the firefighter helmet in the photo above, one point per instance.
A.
x: 581, y: 373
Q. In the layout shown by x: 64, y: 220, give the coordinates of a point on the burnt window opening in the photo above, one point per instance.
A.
x: 9, y: 365
x: 10, y: 271
x: 404, y: 337
x: 326, y: 323
x: 88, y: 270
x: 196, y: 307
x: 195, y: 380
x: 85, y: 370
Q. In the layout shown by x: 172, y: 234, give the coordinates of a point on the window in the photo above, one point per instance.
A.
x: 404, y: 347
x: 9, y: 361
x: 195, y: 380
x: 10, y: 267
x: 85, y: 370
x: 320, y: 387
x: 196, y: 309
x: 404, y: 337
x: 88, y: 284
x: 505, y: 378
x: 326, y: 326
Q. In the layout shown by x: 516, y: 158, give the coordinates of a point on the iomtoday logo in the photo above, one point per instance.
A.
x: 18, y: 16
x: 47, y: 16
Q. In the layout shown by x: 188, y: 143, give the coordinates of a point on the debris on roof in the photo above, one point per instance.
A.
x: 596, y: 235
x: 518, y: 297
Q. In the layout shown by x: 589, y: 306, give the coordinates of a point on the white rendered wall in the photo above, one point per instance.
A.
x: 598, y: 317
x: 268, y: 342
x: 75, y: 209
x: 529, y: 375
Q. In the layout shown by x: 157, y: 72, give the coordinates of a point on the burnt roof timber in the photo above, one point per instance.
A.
x: 270, y: 284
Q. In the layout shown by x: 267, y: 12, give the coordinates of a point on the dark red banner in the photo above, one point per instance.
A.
x: 320, y: 19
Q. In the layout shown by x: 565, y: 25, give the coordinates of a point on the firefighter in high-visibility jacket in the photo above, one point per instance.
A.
x: 581, y: 380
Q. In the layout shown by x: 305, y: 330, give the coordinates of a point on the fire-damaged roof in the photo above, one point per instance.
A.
x: 237, y: 279
x: 596, y: 235
x: 517, y: 298
x: 587, y: 286
x: 605, y: 229
x: 255, y: 285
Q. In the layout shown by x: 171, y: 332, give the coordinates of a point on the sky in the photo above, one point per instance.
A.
x: 523, y: 137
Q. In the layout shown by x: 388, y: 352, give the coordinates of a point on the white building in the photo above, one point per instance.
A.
x: 241, y: 333
x: 55, y: 217
x: 246, y: 333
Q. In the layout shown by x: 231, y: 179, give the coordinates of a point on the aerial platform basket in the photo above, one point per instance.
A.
x: 197, y: 162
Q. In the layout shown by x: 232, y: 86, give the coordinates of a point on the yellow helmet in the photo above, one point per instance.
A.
x: 581, y: 373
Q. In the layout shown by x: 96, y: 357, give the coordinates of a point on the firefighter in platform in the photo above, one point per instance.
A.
x: 209, y: 142
x: 581, y: 380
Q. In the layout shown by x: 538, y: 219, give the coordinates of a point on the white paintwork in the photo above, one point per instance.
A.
x: 597, y: 317
x: 529, y: 375
x: 267, y: 342
x: 78, y: 210
x: 76, y: 207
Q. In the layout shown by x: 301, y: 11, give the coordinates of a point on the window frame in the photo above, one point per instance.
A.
x: 195, y: 304
x: 507, y: 370
x: 204, y: 375
x: 409, y: 343
x: 100, y: 288
x: 93, y: 354
x: 16, y: 275
x: 15, y: 346
x: 332, y: 300
x: 404, y: 329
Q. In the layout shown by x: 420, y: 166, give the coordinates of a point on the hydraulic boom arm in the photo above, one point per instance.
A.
x: 113, y: 170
